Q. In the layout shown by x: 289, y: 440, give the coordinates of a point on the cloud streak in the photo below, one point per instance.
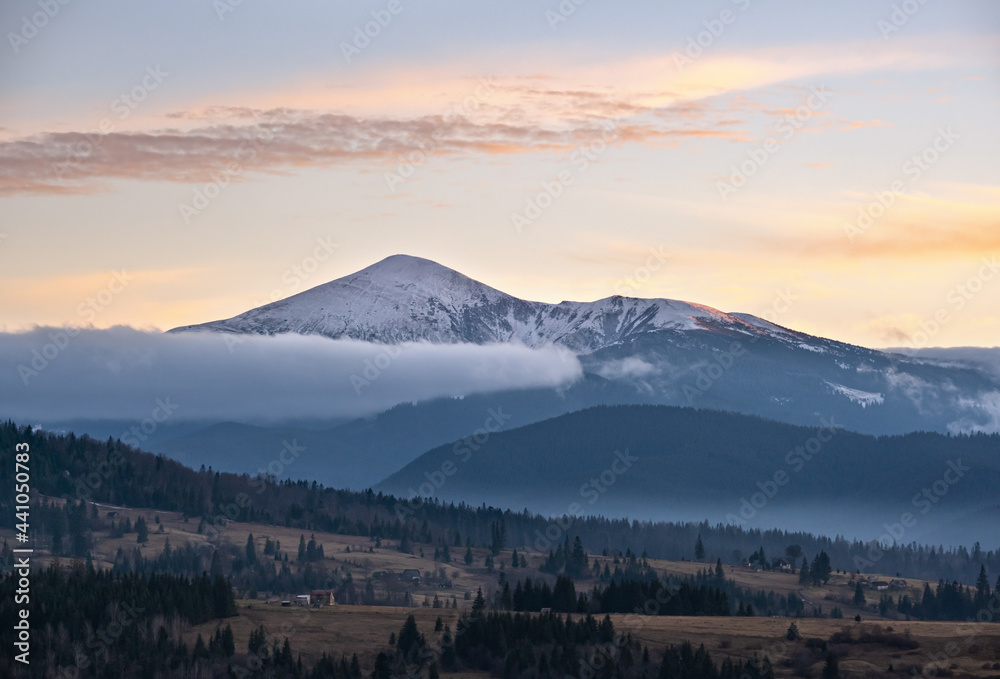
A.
x: 120, y: 373
x: 280, y: 141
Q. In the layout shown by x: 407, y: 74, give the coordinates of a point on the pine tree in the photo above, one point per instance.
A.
x: 859, y: 596
x: 222, y: 598
x: 576, y: 565
x: 409, y: 640
x: 564, y: 595
x: 447, y: 649
x: 251, y: 552
x: 506, y: 598
x: 831, y: 670
x: 766, y: 669
x: 479, y: 603
x: 228, y: 641
x: 302, y: 547
x: 216, y: 567
x: 699, y: 549
x: 820, y: 569
x: 982, y: 584
x: 468, y: 556
x: 805, y: 577
x: 142, y: 530
x: 498, y: 537
x: 199, y: 648
x: 383, y: 667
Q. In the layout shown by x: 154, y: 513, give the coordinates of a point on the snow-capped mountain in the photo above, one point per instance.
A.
x: 403, y: 298
x: 658, y: 350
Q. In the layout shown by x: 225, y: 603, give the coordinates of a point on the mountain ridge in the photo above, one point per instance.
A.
x: 667, y: 352
x: 649, y: 461
x: 405, y: 298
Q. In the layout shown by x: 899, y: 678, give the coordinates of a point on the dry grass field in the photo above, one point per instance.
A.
x: 959, y: 649
x: 944, y: 648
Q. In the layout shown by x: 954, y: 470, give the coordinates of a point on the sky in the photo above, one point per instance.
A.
x: 831, y: 166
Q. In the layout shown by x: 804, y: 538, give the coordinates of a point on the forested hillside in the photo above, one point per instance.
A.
x: 680, y: 463
x: 79, y: 468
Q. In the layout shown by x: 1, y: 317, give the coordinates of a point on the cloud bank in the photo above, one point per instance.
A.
x: 986, y: 359
x: 122, y: 373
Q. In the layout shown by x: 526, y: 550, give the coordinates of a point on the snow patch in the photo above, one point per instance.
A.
x: 863, y: 398
x: 811, y: 347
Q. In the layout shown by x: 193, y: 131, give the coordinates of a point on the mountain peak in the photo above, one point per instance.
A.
x: 403, y: 270
x: 405, y: 298
x: 405, y: 264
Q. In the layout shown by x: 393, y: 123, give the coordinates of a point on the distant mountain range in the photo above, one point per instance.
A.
x: 654, y: 351
x: 710, y: 403
x: 659, y: 462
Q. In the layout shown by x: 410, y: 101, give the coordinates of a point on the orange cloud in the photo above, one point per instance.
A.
x: 280, y: 140
x: 860, y: 124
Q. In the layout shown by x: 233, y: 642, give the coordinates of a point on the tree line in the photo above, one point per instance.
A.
x: 83, y: 469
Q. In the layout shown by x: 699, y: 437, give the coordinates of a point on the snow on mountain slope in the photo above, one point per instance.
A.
x: 405, y: 298
x: 664, y: 351
x: 863, y: 398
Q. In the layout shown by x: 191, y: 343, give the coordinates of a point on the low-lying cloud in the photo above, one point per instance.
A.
x: 51, y: 374
x: 986, y: 359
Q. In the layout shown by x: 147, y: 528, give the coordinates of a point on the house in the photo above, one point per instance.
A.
x: 546, y: 610
x: 286, y: 602
x: 897, y: 583
x: 411, y: 575
x: 445, y: 585
x: 112, y: 515
x: 880, y: 585
x: 782, y: 565
x: 302, y: 600
x: 322, y: 597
